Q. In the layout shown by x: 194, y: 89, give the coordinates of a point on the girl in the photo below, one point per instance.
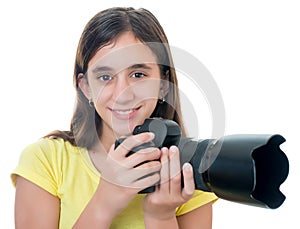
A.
x: 77, y: 178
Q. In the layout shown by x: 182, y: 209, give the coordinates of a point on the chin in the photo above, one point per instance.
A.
x: 122, y: 130
x: 125, y: 128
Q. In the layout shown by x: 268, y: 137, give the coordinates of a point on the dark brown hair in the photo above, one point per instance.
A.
x: 102, y: 29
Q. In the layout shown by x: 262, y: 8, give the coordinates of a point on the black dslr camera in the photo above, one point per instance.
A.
x: 244, y: 168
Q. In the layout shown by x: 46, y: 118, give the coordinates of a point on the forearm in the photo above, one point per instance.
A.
x: 101, y: 210
x: 154, y: 223
x: 92, y: 221
x: 94, y: 216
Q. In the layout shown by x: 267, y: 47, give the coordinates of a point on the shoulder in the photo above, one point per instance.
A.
x: 49, y: 152
x: 49, y: 147
x: 42, y: 162
x: 47, y: 155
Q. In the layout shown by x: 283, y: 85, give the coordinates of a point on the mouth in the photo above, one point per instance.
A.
x: 125, y: 113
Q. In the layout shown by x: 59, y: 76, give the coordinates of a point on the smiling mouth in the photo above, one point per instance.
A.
x: 125, y: 112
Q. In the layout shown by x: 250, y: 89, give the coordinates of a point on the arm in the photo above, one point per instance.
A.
x: 198, y: 218
x: 35, y: 207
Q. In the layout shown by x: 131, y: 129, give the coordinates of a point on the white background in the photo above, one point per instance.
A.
x: 251, y: 48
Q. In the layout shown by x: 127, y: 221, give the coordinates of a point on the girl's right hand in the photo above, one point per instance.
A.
x: 122, y: 176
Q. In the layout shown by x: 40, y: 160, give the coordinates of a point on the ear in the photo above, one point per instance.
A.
x: 84, y: 85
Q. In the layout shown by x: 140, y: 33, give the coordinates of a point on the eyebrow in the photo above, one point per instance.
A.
x: 107, y: 68
x: 143, y: 66
x: 101, y: 69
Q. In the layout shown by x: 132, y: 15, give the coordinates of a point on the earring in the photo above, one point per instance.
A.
x: 91, y: 103
x: 162, y: 100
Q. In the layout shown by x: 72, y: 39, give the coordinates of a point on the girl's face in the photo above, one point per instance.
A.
x: 123, y: 81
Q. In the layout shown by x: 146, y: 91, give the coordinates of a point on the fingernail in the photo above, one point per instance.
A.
x: 164, y: 150
x: 173, y: 149
x: 187, y: 167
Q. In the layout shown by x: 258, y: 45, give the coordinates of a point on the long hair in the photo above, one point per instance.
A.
x: 102, y: 29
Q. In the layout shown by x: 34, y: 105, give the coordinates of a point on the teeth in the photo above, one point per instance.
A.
x: 124, y: 112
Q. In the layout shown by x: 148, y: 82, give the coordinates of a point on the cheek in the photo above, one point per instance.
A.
x: 101, y: 98
x: 152, y: 104
x: 147, y: 89
x: 101, y: 95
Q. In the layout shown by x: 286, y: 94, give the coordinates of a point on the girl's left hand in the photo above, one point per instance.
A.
x: 162, y: 203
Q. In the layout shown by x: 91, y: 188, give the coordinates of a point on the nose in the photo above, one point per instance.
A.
x: 123, y: 90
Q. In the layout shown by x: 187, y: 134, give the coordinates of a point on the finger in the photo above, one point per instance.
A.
x: 142, y: 156
x: 146, y: 181
x: 164, y: 171
x: 147, y: 168
x: 111, y: 149
x: 175, y: 170
x: 141, y: 173
x: 133, y: 141
x: 188, y: 180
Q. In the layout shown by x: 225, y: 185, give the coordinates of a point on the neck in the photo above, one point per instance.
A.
x: 105, y: 143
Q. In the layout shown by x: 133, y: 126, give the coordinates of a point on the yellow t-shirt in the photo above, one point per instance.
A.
x: 67, y: 172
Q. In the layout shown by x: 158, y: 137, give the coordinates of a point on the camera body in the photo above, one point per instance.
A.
x: 167, y: 133
x: 244, y: 168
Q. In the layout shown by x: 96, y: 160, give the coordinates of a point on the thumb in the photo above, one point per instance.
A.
x: 111, y: 149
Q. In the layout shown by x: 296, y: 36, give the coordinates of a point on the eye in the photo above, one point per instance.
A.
x: 105, y: 78
x: 138, y: 75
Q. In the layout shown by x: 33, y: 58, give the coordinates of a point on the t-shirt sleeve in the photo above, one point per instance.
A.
x: 199, y: 199
x: 37, y: 164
